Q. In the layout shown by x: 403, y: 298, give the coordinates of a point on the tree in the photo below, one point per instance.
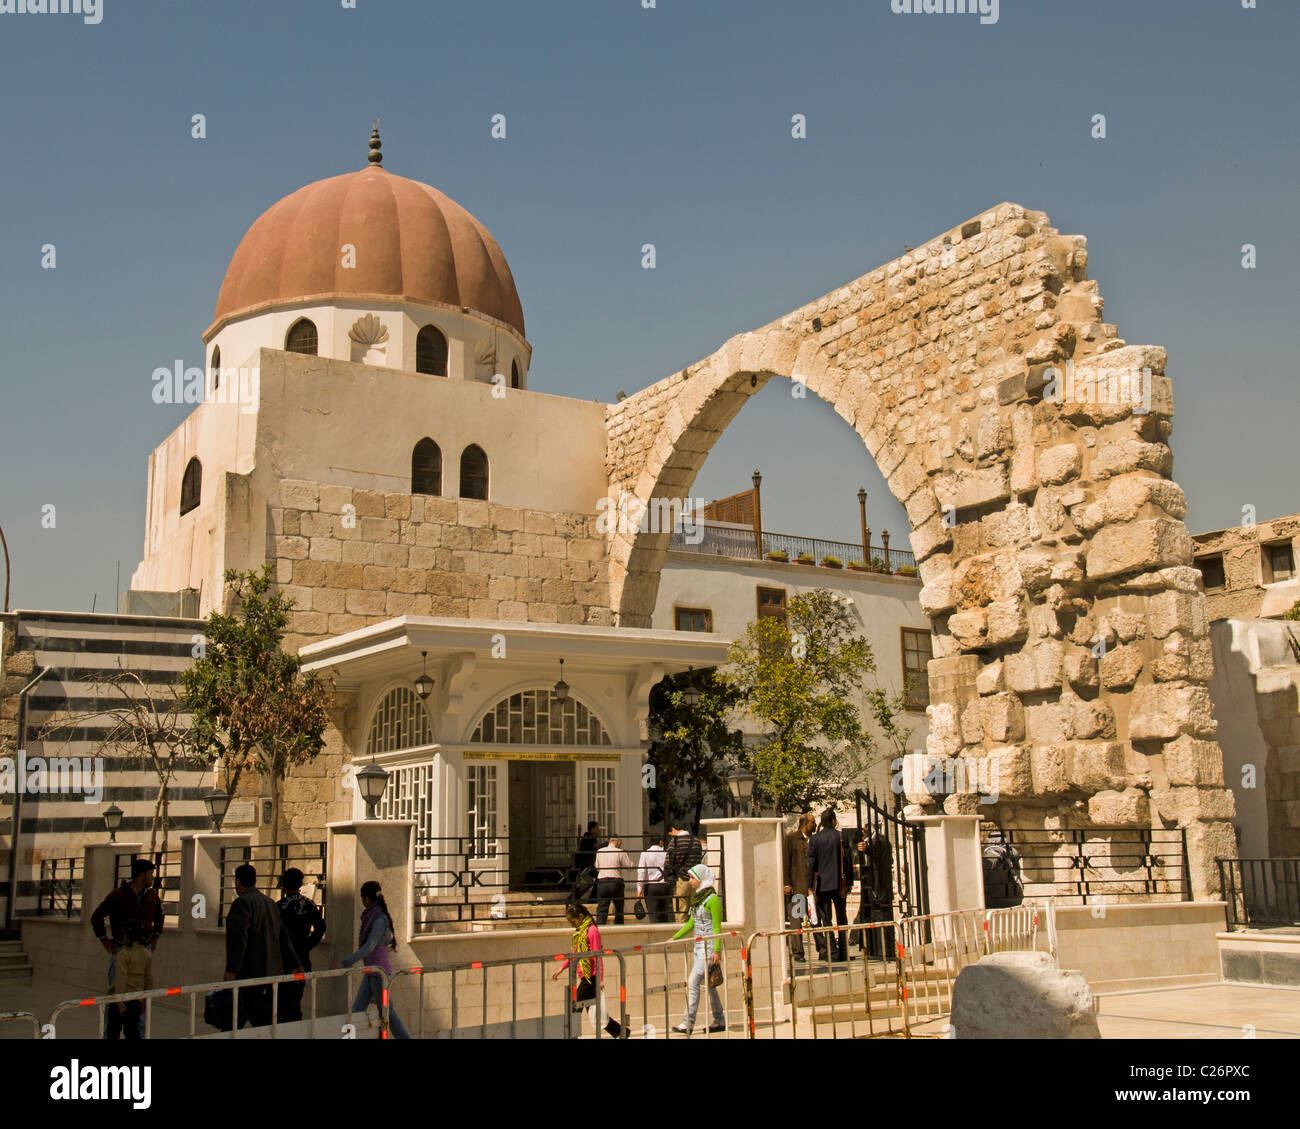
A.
x: 253, y: 707
x: 692, y: 746
x: 142, y: 719
x: 800, y: 677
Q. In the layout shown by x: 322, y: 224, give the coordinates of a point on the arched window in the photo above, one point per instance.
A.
x: 431, y: 351
x: 474, y: 473
x: 216, y: 368
x: 514, y: 375
x: 400, y: 722
x: 538, y: 717
x: 426, y: 468
x: 191, y: 485
x: 301, y: 337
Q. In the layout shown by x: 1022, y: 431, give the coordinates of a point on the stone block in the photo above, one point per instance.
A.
x: 1129, y: 808
x: 1189, y: 761
x: 298, y: 494
x: 369, y: 503
x: 1034, y: 669
x: 1166, y: 710
x: 1049, y: 766
x: 1167, y: 612
x: 1022, y: 996
x: 1097, y: 766
x: 1120, y: 666
x: 1081, y: 671
x: 1059, y: 464
x: 1139, y: 545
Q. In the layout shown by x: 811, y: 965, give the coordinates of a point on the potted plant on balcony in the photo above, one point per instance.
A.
x: 858, y: 566
x: 806, y: 558
x: 878, y: 564
x: 831, y: 562
x: 905, y: 570
x: 778, y: 555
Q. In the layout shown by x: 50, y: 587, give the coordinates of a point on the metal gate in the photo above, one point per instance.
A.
x: 894, y: 876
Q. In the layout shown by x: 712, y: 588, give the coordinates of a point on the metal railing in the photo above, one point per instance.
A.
x: 60, y: 891
x: 270, y: 860
x: 166, y: 876
x: 22, y: 1017
x: 739, y: 543
x: 660, y: 981
x: 1261, y: 892
x: 190, y: 994
x: 466, y: 879
x: 1083, y: 865
x: 489, y: 999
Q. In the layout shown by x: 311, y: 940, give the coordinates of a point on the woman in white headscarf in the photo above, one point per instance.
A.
x: 704, y: 920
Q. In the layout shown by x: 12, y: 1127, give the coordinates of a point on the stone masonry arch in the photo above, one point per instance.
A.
x: 1029, y: 446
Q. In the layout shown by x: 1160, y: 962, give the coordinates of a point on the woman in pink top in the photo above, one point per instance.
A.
x: 586, y: 939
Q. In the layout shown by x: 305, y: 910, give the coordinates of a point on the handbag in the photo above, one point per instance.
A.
x: 638, y: 908
x: 586, y: 992
x: 715, y: 976
x: 219, y: 1009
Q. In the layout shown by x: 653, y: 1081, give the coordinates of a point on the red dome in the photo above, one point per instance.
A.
x: 412, y: 243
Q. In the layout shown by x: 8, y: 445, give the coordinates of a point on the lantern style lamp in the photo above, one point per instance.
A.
x: 372, y: 780
x: 690, y: 693
x: 424, y: 684
x: 561, y: 689
x: 216, y: 801
x: 741, y: 784
x: 112, y: 820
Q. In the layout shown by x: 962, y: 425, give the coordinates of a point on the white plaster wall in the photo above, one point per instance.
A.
x: 240, y: 338
x: 1241, y: 648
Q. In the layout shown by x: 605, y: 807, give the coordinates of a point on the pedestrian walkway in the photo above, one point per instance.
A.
x: 1202, y: 1011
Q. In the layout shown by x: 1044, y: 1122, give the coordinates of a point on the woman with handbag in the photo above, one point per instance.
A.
x: 586, y: 939
x: 376, y: 940
x: 704, y: 920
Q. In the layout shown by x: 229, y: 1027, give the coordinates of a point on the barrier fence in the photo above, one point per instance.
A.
x: 489, y: 999
x: 190, y: 993
x: 899, y: 984
x: 22, y: 1017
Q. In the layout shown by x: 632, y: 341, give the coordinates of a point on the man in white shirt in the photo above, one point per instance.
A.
x: 650, y: 882
x: 612, y: 868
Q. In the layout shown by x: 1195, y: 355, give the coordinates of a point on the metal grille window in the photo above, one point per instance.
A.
x: 301, y: 337
x: 694, y: 619
x: 400, y: 722
x: 538, y: 717
x: 409, y: 795
x: 191, y: 485
x: 602, y: 803
x: 431, y: 351
x: 916, y: 659
x: 482, y: 809
x: 426, y: 468
x: 474, y: 473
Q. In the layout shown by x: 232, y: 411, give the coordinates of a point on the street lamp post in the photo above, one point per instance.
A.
x: 741, y: 784
x: 372, y: 780
x: 112, y: 820
x: 216, y: 802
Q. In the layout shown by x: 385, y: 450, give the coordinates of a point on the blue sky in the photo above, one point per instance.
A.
x: 628, y: 126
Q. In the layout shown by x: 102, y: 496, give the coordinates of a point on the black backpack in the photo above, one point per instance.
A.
x: 1003, y: 886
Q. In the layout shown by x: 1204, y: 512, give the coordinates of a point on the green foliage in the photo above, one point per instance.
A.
x: 800, y: 679
x: 253, y: 707
x: 692, y: 747
x: 1293, y: 612
x: 834, y: 562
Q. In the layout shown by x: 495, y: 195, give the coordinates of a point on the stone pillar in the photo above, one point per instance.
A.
x: 101, y: 873
x: 201, y: 874
x: 751, y: 865
x: 357, y: 852
x: 954, y: 862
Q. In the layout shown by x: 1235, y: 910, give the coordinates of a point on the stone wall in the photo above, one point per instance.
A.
x: 1029, y: 446
x: 403, y: 554
x: 1243, y: 594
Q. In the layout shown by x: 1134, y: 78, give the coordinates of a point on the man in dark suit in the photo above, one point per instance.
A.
x: 256, y: 945
x: 796, y: 886
x: 828, y: 878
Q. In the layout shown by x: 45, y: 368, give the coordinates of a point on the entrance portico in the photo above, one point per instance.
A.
x: 495, y: 767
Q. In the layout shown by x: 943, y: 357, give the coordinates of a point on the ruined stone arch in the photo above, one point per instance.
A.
x: 1028, y: 444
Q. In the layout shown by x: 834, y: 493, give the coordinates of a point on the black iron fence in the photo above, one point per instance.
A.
x: 60, y: 890
x: 739, y: 543
x: 166, y: 876
x: 1261, y: 893
x: 1101, y: 864
x: 525, y: 880
x: 271, y: 860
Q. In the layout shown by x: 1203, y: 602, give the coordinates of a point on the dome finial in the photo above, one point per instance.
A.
x: 376, y: 156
